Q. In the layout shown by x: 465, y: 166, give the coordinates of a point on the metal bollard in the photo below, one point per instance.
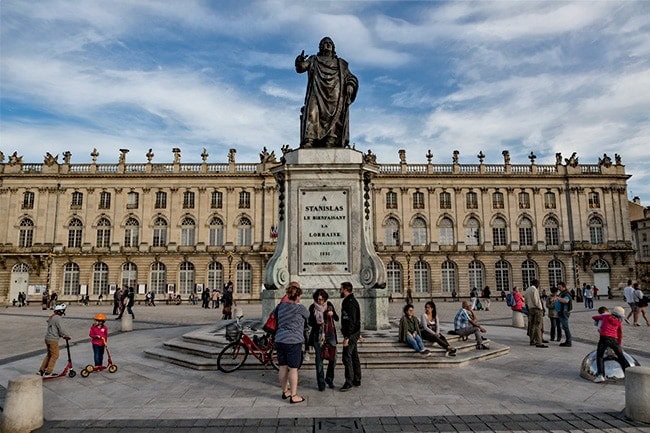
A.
x: 23, y: 411
x: 637, y: 393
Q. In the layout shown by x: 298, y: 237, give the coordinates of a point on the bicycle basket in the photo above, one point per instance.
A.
x: 233, y: 333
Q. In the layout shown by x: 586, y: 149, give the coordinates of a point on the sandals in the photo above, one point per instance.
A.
x: 285, y: 396
x: 292, y: 401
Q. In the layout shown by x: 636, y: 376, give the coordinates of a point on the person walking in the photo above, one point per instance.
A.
x: 486, y: 297
x: 563, y: 306
x: 322, y: 316
x: 641, y: 302
x: 227, y: 301
x: 291, y: 317
x: 628, y: 294
x: 351, y: 331
x: 52, y: 334
x: 116, y: 301
x: 535, y: 315
x: 611, y: 337
x: 588, y: 294
x: 128, y: 300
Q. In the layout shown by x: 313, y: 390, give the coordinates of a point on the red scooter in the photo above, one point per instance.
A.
x: 68, y: 370
x: 112, y: 368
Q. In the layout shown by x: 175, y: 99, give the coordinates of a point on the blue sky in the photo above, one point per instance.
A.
x: 485, y: 76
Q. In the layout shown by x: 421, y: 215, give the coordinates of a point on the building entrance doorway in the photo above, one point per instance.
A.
x: 19, y: 281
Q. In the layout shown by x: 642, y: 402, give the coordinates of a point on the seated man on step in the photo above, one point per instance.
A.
x: 465, y: 324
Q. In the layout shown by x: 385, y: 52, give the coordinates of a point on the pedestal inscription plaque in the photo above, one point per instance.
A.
x: 324, y: 237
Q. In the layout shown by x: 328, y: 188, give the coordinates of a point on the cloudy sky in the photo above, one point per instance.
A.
x: 485, y: 76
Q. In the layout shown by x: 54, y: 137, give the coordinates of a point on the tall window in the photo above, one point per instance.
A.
x: 216, y: 200
x: 392, y: 232
x: 418, y: 200
x: 594, y: 200
x: 244, y: 200
x: 555, y: 272
x: 549, y: 200
x: 129, y: 275
x: 216, y: 232
x: 391, y: 200
x: 552, y: 231
x: 244, y: 278
x: 188, y: 200
x: 524, y: 200
x: 475, y: 272
x: 448, y: 274
x: 498, y: 202
x: 161, y: 200
x: 446, y: 232
x: 473, y: 231
x: 472, y: 200
x: 244, y: 232
x: 159, y: 278
x: 186, y: 278
x: 215, y: 276
x: 131, y: 233
x: 394, y: 277
x: 132, y: 200
x: 596, y: 230
x: 104, y: 200
x: 77, y: 200
x: 421, y: 276
x: 528, y: 273
x: 28, y: 200
x: 71, y: 279
x: 502, y: 275
x: 75, y: 233
x: 445, y: 200
x: 499, y: 236
x: 100, y: 279
x: 26, y: 233
x: 188, y: 230
x: 525, y: 232
x: 159, y: 232
x: 103, y: 233
x: 419, y: 231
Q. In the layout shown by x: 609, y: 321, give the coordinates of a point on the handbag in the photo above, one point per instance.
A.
x: 271, y: 324
x: 328, y: 352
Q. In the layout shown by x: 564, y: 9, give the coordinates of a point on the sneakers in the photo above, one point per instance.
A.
x: 482, y: 347
x: 599, y: 379
x: 565, y: 344
x: 541, y: 345
x: 346, y: 387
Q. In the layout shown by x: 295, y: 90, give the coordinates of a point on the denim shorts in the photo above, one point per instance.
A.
x: 289, y: 354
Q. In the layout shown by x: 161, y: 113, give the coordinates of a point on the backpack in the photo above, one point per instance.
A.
x: 271, y: 324
x: 510, y: 300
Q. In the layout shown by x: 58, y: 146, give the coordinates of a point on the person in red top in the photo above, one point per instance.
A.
x: 611, y: 336
x: 98, y: 337
x: 520, y: 304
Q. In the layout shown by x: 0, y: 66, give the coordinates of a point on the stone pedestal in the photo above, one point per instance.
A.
x: 518, y: 319
x: 23, y: 408
x: 325, y: 231
x: 127, y: 322
x: 637, y: 393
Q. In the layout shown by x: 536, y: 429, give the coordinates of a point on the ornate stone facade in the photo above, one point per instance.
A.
x: 438, y: 227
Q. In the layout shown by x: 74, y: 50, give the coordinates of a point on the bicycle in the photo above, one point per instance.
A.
x: 234, y: 355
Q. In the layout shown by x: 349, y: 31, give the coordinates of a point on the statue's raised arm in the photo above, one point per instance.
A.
x: 331, y: 88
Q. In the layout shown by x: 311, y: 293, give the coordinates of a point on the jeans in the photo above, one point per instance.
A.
x: 351, y: 360
x: 589, y: 303
x: 555, y: 328
x: 603, y: 344
x: 321, y: 377
x: 415, y: 342
x: 564, y: 323
x: 98, y: 353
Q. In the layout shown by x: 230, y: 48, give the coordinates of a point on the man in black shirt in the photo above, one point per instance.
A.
x: 351, y: 330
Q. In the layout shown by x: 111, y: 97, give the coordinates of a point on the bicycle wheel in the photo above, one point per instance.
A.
x: 232, y: 357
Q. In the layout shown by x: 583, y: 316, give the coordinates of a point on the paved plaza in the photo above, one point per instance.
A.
x: 530, y: 389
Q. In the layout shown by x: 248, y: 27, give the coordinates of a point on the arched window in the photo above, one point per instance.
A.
x: 159, y: 278
x: 244, y: 278
x: 596, y: 230
x: 499, y: 233
x: 26, y: 233
x: 421, y: 276
x: 75, y: 233
x: 392, y: 232
x: 475, y: 270
x: 159, y: 232
x: 244, y: 232
x: 446, y: 232
x: 555, y: 272
x: 100, y: 279
x: 70, y: 279
x: 528, y: 273
x: 20, y: 268
x: 502, y: 275
x: 394, y: 277
x: 186, y: 278
x: 216, y: 233
x: 473, y: 231
x: 188, y: 230
x: 215, y: 276
x: 552, y: 231
x: 103, y: 233
x: 525, y: 232
x: 419, y: 231
x: 600, y: 265
x: 129, y: 275
x: 131, y: 233
x: 448, y: 274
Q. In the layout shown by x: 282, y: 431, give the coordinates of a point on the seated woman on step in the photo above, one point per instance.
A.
x: 431, y: 328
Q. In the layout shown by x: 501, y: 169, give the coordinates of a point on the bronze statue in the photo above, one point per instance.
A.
x: 331, y: 88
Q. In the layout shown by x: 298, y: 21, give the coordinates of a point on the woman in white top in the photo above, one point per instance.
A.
x: 431, y: 329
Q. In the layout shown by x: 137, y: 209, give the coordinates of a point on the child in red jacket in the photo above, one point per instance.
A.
x: 611, y: 336
x: 98, y: 337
